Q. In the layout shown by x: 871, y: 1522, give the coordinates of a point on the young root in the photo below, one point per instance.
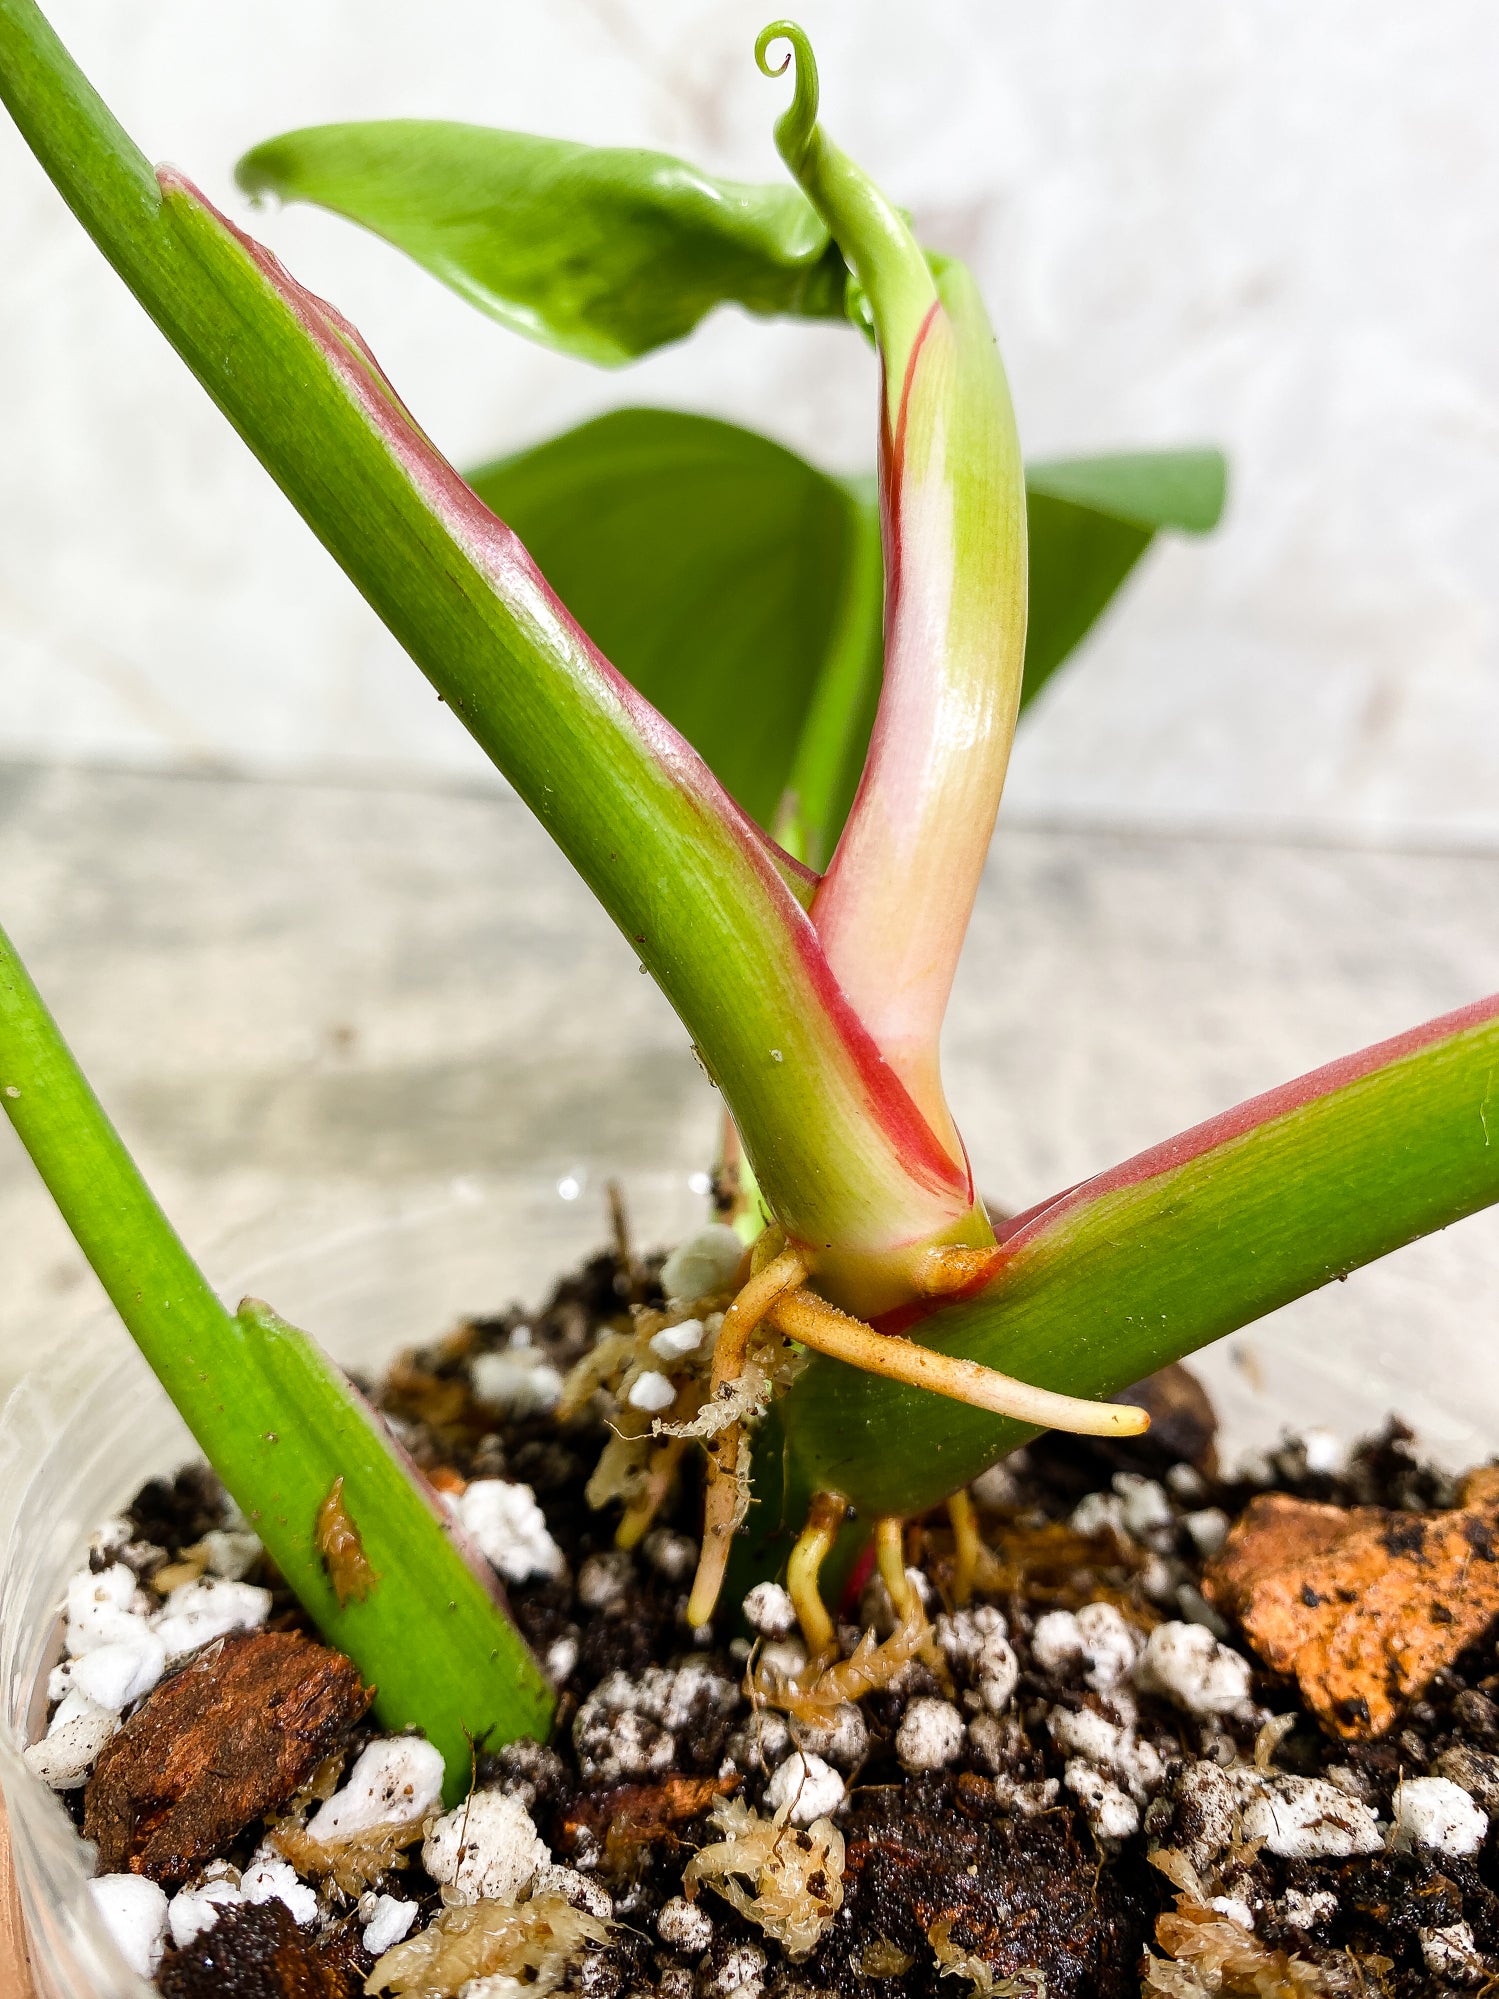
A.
x: 661, y: 1469
x: 726, y: 1499
x: 802, y: 1315
x: 776, y: 1296
x: 824, y: 1518
x: 816, y: 1695
x: 970, y: 1553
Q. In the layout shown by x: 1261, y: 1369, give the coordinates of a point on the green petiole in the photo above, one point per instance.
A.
x: 278, y: 1422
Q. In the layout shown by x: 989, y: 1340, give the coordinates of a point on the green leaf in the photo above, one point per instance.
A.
x: 605, y: 252
x: 712, y: 566
x: 741, y: 589
x: 278, y: 1422
x: 1153, y: 489
x: 1091, y: 519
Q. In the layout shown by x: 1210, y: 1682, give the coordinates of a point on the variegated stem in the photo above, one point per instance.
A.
x: 894, y: 906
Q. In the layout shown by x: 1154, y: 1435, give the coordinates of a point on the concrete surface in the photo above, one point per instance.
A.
x: 315, y: 1011
x: 1272, y: 226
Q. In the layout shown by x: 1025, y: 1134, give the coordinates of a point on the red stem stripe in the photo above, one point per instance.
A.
x: 1243, y: 1119
x: 501, y: 555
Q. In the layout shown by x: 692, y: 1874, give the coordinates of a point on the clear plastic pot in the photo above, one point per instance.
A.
x: 83, y: 1432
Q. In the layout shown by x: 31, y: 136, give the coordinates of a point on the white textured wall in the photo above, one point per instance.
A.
x: 1275, y: 226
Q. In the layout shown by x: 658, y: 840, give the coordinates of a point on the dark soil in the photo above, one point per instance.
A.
x: 1004, y: 1862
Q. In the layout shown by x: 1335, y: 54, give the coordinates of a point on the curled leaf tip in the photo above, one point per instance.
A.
x: 795, y: 126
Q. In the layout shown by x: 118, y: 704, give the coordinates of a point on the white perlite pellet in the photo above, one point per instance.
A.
x: 1208, y: 1528
x: 1436, y: 1813
x: 1110, y: 1643
x: 1325, y: 1451
x: 977, y: 1643
x: 1110, y: 1747
x: 1185, y: 1482
x: 197, y: 1613
x: 231, y: 1552
x: 811, y: 1788
x: 387, y: 1921
x: 706, y: 1263
x: 114, y: 1675
x: 1207, y: 1807
x: 1112, y: 1814
x: 1235, y: 1908
x: 134, y: 1911
x: 393, y: 1782
x: 674, y: 1343
x: 1056, y: 1642
x: 769, y: 1610
x: 509, y: 1529
x: 841, y: 1738
x: 485, y: 1850
x: 1144, y: 1506
x: 1476, y: 1770
x: 684, y: 1925
x: 1305, y: 1818
x: 995, y: 1487
x: 1084, y: 1732
x: 1305, y: 1909
x: 99, y: 1610
x: 930, y: 1735
x: 1098, y: 1513
x: 111, y: 1535
x: 786, y: 1658
x: 76, y: 1733
x: 764, y: 1741
x: 561, y: 1658
x: 195, y: 1909
x: 1452, y: 1954
x: 515, y: 1384
x: 651, y: 1392
x: 605, y: 1579
x: 670, y: 1554
x: 1187, y: 1664
x: 578, y: 1890
x: 269, y: 1878
x: 741, y: 1973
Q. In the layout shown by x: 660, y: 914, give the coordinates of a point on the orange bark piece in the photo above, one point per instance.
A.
x: 1362, y: 1605
x: 634, y: 1815
x: 216, y: 1746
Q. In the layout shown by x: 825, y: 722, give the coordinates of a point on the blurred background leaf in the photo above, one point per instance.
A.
x: 740, y: 588
x: 602, y: 251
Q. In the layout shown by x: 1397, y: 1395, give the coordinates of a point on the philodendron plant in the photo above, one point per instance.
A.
x: 791, y: 843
